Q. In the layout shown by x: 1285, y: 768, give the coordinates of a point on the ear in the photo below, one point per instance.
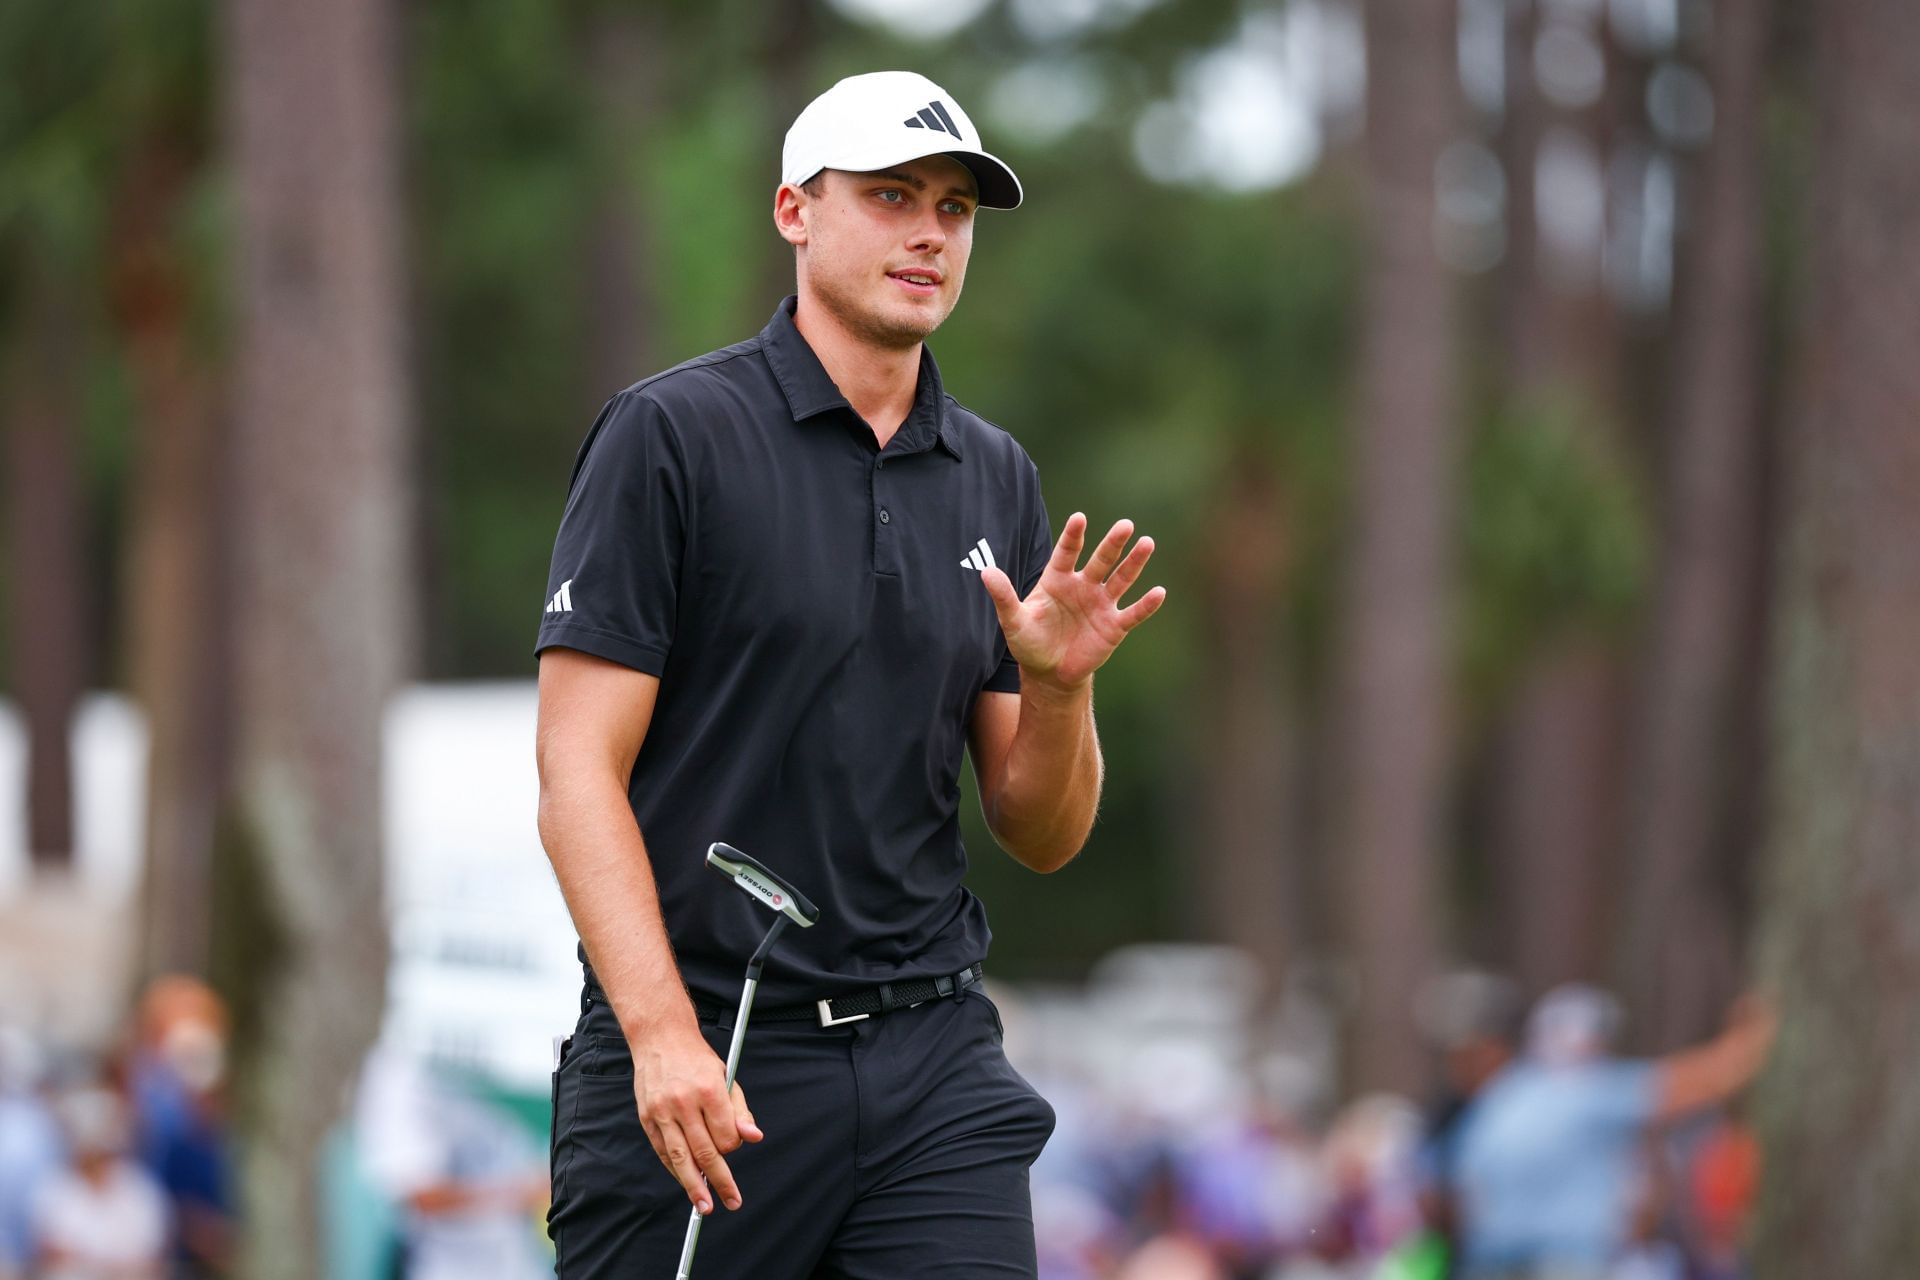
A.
x: 790, y: 213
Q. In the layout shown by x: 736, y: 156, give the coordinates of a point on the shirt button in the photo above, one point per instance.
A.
x: 884, y: 517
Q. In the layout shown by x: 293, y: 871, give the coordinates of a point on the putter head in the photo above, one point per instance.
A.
x: 762, y: 884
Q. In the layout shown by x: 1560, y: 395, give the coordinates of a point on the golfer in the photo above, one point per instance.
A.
x: 794, y: 581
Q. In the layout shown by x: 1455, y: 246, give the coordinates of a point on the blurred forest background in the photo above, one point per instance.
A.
x: 1520, y: 393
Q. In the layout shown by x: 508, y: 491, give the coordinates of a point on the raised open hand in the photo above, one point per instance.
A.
x: 1072, y: 620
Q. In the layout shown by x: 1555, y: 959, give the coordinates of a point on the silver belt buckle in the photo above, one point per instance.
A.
x: 828, y: 1020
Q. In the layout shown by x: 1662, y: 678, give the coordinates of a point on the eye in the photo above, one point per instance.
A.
x: 892, y: 191
x: 958, y: 208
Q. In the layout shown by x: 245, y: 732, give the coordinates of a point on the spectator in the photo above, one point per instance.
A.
x: 1724, y: 1177
x: 1170, y: 1257
x: 1370, y: 1154
x: 31, y: 1150
x: 104, y: 1217
x: 1252, y: 1189
x: 470, y: 1181
x: 176, y: 1072
x: 1085, y: 1232
x: 1549, y: 1158
x: 1473, y: 1020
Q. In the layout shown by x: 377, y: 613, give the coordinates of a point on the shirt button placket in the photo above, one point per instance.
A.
x: 885, y: 558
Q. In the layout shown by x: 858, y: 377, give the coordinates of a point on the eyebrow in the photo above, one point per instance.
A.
x: 919, y: 184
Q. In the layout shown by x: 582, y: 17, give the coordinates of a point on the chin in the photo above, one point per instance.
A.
x: 914, y: 328
x: 881, y: 316
x: 920, y: 318
x: 901, y: 326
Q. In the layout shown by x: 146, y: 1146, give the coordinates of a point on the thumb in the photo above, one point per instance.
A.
x: 744, y: 1117
x: 1006, y: 602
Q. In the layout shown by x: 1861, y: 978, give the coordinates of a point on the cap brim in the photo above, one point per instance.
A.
x: 999, y: 188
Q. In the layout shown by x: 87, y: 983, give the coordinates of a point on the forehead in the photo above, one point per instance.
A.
x: 942, y: 175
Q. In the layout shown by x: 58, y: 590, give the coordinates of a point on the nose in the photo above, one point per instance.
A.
x: 928, y: 236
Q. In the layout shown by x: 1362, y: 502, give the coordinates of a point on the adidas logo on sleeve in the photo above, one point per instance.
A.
x: 562, y: 601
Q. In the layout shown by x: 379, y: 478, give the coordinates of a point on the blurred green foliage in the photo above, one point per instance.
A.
x: 1144, y: 342
x: 1557, y: 538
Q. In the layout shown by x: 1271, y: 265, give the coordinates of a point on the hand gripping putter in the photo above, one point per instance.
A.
x: 787, y: 903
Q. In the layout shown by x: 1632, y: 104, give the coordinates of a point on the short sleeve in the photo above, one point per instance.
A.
x: 614, y: 584
x: 1621, y: 1095
x: 1036, y: 548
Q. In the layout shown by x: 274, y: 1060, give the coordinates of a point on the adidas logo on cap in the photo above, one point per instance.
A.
x: 934, y: 116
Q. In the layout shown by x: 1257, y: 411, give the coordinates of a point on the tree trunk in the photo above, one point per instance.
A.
x: 1838, y: 1111
x: 1678, y: 942
x: 46, y: 533
x: 625, y: 63
x: 1553, y: 814
x: 1554, y: 807
x: 1559, y: 327
x: 1252, y: 889
x: 321, y: 611
x: 787, y: 58
x: 1393, y: 688
x: 177, y: 608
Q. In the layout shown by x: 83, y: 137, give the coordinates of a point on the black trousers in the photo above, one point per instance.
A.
x: 895, y: 1146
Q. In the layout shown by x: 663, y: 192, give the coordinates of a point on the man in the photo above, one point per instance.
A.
x: 778, y: 615
x: 1472, y: 1019
x: 32, y: 1148
x: 104, y: 1215
x: 462, y: 1171
x: 1549, y: 1159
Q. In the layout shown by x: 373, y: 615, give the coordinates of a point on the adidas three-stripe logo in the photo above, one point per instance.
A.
x: 934, y: 116
x: 562, y: 601
x: 981, y: 557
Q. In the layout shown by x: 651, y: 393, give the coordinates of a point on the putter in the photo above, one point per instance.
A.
x: 787, y: 903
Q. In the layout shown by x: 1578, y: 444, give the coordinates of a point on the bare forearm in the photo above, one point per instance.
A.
x: 601, y: 861
x: 1045, y: 803
x: 1713, y: 1072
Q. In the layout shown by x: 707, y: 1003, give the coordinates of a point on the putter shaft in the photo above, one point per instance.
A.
x: 695, y: 1218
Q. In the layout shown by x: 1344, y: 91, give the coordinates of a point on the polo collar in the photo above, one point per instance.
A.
x: 810, y: 391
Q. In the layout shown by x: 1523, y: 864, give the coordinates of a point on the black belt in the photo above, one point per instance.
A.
x: 855, y: 1005
x: 851, y: 1007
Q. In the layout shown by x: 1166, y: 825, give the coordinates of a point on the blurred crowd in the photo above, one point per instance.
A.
x: 1183, y: 1150
x: 1542, y: 1156
x: 117, y: 1166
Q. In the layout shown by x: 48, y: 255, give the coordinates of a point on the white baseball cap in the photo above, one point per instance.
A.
x: 884, y: 118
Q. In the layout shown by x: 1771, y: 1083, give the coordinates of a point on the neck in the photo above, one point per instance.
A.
x: 878, y: 381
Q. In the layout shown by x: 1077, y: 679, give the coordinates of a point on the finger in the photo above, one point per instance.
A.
x: 707, y: 1158
x: 707, y: 1144
x: 670, y: 1144
x: 1129, y: 571
x: 1006, y: 602
x: 1107, y: 554
x: 1143, y: 608
x: 1066, y: 552
x: 743, y: 1117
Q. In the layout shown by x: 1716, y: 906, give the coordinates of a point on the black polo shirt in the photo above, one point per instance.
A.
x: 812, y: 605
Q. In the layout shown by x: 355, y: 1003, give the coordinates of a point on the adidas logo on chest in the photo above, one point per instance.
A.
x: 981, y: 557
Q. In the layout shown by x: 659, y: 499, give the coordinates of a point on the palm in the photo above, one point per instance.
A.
x: 1072, y: 620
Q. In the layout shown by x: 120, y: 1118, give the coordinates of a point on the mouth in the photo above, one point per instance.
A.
x: 921, y: 284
